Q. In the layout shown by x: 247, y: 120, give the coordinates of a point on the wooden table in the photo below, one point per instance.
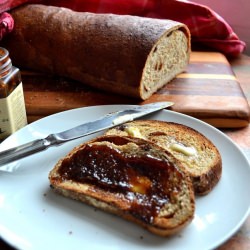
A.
x: 241, y: 67
x: 241, y: 240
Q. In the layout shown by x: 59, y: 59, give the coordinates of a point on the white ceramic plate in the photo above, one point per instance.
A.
x: 34, y: 217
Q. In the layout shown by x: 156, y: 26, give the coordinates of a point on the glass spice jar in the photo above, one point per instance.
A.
x: 12, y: 105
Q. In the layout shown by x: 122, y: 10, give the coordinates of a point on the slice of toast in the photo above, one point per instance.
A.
x: 199, y: 156
x: 129, y: 177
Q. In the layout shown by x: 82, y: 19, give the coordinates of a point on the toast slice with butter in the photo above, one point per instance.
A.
x: 129, y: 177
x: 199, y: 156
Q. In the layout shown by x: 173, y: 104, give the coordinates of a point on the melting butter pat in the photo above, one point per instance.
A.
x: 133, y: 131
x: 189, y: 151
x: 123, y: 119
x: 140, y: 185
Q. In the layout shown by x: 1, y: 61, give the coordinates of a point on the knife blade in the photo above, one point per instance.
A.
x: 108, y: 121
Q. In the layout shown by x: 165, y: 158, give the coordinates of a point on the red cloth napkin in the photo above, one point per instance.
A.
x: 6, y: 24
x: 206, y: 26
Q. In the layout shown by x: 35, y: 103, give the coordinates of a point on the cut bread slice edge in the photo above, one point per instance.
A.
x: 168, y: 57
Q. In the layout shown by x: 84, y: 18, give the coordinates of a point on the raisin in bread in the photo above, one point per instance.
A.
x: 198, y: 154
x: 129, y: 177
x: 128, y: 55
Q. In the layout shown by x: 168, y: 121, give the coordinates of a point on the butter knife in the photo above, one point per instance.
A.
x: 108, y: 121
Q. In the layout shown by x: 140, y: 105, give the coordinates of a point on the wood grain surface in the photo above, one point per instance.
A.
x: 208, y: 90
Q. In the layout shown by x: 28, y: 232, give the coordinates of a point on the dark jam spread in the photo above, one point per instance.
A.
x: 142, y: 180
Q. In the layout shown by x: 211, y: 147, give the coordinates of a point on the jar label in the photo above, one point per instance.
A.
x: 12, y: 112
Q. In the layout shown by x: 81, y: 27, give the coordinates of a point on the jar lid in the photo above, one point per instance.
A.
x: 5, y: 62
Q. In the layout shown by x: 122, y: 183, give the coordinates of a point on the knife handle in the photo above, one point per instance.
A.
x: 24, y: 150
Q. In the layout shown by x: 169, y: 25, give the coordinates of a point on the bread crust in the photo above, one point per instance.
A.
x: 116, y: 202
x: 105, y: 51
x: 204, y: 174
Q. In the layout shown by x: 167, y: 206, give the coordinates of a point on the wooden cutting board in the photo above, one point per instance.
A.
x: 208, y: 90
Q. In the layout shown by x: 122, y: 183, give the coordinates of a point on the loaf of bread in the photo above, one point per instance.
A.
x: 130, y: 177
x: 128, y: 55
x: 199, y: 156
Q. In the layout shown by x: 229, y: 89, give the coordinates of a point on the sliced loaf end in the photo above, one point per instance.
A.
x: 168, y: 57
